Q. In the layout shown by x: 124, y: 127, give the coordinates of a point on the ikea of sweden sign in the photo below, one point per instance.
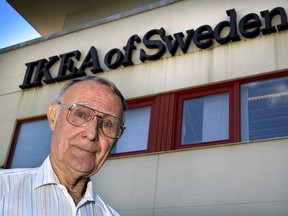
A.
x: 249, y: 26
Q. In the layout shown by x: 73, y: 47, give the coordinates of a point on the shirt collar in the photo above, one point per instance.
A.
x: 45, y: 176
x: 89, y: 195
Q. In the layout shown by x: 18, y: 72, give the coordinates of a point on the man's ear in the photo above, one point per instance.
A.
x: 52, y: 114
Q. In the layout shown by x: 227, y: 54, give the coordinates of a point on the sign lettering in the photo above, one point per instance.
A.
x: 249, y: 26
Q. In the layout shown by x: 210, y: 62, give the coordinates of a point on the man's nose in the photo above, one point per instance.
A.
x: 92, y: 130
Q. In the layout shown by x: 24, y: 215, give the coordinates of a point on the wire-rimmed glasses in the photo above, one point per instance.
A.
x: 80, y: 115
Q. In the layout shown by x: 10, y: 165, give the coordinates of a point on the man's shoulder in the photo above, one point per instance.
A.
x: 17, y: 172
x: 22, y: 171
x: 16, y: 175
x: 12, y: 179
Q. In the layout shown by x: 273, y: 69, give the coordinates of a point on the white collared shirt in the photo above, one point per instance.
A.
x: 38, y: 192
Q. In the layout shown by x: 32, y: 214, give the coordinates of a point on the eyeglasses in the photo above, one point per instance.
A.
x: 80, y: 115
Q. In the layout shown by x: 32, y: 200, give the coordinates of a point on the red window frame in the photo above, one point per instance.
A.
x: 166, y: 116
x: 16, y: 135
x: 137, y: 103
x: 201, y: 92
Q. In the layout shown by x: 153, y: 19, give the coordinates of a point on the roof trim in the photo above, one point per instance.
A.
x: 90, y: 24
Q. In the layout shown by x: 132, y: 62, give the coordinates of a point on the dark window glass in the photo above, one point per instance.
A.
x: 205, y: 119
x: 264, y: 109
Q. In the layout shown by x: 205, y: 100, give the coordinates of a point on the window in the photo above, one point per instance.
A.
x: 247, y: 109
x: 205, y: 119
x: 139, y: 132
x: 264, y: 109
x: 32, y: 144
x: 205, y: 116
x: 31, y: 141
x: 135, y: 137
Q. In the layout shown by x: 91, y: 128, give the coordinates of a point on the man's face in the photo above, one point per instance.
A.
x: 82, y: 150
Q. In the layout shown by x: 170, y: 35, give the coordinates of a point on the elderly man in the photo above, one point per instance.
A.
x: 86, y: 120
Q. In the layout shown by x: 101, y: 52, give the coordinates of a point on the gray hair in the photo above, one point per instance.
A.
x: 100, y: 80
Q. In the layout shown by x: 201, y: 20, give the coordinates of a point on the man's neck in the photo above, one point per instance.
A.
x: 75, y: 184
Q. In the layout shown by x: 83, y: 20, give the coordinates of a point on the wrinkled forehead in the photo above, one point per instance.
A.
x: 96, y: 95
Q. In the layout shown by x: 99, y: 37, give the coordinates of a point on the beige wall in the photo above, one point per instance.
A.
x: 240, y: 179
x: 250, y: 178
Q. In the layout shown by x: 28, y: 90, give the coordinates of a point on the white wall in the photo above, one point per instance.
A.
x: 240, y: 179
x: 244, y: 179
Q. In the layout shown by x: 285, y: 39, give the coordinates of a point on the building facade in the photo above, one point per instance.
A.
x: 206, y: 84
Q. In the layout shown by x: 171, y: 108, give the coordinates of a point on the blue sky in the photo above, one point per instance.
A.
x: 14, y: 29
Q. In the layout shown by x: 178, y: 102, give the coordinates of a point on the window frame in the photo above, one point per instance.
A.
x: 201, y: 92
x: 15, y: 137
x: 166, y: 116
x: 258, y: 78
x: 137, y: 103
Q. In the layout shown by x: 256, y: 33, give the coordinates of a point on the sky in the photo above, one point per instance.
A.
x: 13, y: 28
